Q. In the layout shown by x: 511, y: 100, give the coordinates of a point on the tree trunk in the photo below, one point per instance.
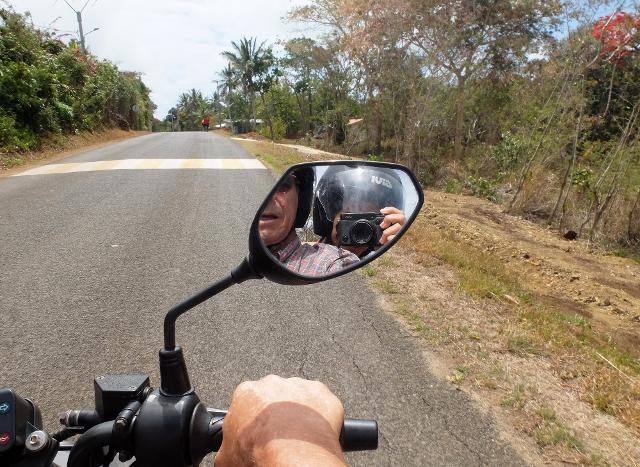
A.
x: 268, y: 115
x: 304, y: 125
x: 631, y: 238
x: 588, y: 216
x: 377, y: 146
x: 601, y: 210
x: 458, y: 148
x: 567, y: 174
x: 253, y: 111
x: 310, y: 102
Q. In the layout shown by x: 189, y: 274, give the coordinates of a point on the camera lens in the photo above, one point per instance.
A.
x: 362, y: 232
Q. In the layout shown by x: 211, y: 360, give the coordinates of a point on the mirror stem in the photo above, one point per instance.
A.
x: 173, y: 370
x: 240, y: 274
x: 180, y: 308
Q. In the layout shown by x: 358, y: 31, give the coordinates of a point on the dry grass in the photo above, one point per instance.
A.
x: 535, y: 327
x: 277, y: 158
x: 522, y: 352
x: 552, y: 433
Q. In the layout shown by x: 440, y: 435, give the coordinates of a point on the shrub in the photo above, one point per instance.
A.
x: 48, y: 88
x: 482, y: 187
x: 452, y: 186
x: 278, y: 126
x: 14, y: 139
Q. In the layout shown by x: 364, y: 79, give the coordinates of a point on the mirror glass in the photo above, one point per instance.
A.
x: 322, y: 219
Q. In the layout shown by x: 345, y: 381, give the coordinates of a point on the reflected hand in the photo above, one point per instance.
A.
x: 285, y: 422
x: 394, y: 219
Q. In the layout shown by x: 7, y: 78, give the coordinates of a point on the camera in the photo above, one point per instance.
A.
x: 359, y: 229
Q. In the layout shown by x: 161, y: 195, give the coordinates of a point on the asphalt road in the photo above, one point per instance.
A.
x: 90, y: 262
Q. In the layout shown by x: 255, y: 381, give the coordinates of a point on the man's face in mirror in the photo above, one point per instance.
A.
x: 276, y: 221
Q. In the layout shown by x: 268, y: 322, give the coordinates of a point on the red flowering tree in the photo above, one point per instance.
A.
x: 619, y: 35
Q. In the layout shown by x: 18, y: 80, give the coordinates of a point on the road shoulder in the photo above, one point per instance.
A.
x: 12, y: 164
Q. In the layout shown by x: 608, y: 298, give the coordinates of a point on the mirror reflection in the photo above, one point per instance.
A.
x: 322, y: 219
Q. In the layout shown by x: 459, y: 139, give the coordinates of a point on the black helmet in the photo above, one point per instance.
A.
x: 353, y: 189
x: 304, y: 180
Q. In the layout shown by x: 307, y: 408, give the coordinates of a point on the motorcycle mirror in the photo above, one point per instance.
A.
x: 325, y: 219
x: 320, y: 220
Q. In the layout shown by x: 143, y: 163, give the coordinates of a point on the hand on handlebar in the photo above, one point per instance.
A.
x: 285, y: 422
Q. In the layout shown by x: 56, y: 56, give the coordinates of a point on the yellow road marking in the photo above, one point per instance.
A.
x: 232, y: 164
x: 146, y: 164
x: 192, y: 164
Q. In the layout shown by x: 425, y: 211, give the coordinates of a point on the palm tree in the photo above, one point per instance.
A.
x: 229, y: 80
x: 228, y: 83
x: 192, y: 106
x: 248, y: 60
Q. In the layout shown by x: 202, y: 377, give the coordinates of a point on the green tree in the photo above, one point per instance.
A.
x: 47, y: 87
x: 465, y: 41
x: 192, y: 107
x: 300, y: 66
x: 251, y: 64
x: 279, y: 105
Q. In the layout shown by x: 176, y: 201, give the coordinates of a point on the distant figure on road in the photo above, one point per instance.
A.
x: 205, y: 123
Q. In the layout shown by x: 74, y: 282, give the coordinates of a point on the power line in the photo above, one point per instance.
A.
x: 65, y: 1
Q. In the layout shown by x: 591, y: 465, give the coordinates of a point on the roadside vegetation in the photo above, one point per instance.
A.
x: 277, y: 158
x: 533, y: 105
x: 50, y: 90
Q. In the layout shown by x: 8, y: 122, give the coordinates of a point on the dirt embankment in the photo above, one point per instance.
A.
x: 62, y: 147
x: 542, y: 331
x: 570, y: 275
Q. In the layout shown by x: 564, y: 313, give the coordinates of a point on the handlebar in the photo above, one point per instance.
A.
x: 359, y: 435
x: 93, y: 440
x: 356, y: 435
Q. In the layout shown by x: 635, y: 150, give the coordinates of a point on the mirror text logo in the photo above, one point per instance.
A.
x: 381, y: 181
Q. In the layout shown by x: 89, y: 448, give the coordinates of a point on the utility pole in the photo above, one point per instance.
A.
x: 83, y: 46
x: 82, y: 43
x: 217, y: 104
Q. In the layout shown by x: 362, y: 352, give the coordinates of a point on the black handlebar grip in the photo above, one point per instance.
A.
x: 359, y: 435
x: 80, y: 418
x: 356, y: 434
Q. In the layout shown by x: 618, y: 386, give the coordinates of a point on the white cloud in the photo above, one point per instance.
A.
x: 176, y: 44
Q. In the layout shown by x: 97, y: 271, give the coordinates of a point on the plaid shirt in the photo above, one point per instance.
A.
x: 311, y: 259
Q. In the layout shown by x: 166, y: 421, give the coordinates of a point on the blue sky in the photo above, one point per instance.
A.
x: 176, y: 44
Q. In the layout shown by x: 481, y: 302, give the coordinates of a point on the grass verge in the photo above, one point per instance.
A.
x: 276, y: 158
x: 521, y: 325
x: 537, y: 327
x: 629, y: 252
